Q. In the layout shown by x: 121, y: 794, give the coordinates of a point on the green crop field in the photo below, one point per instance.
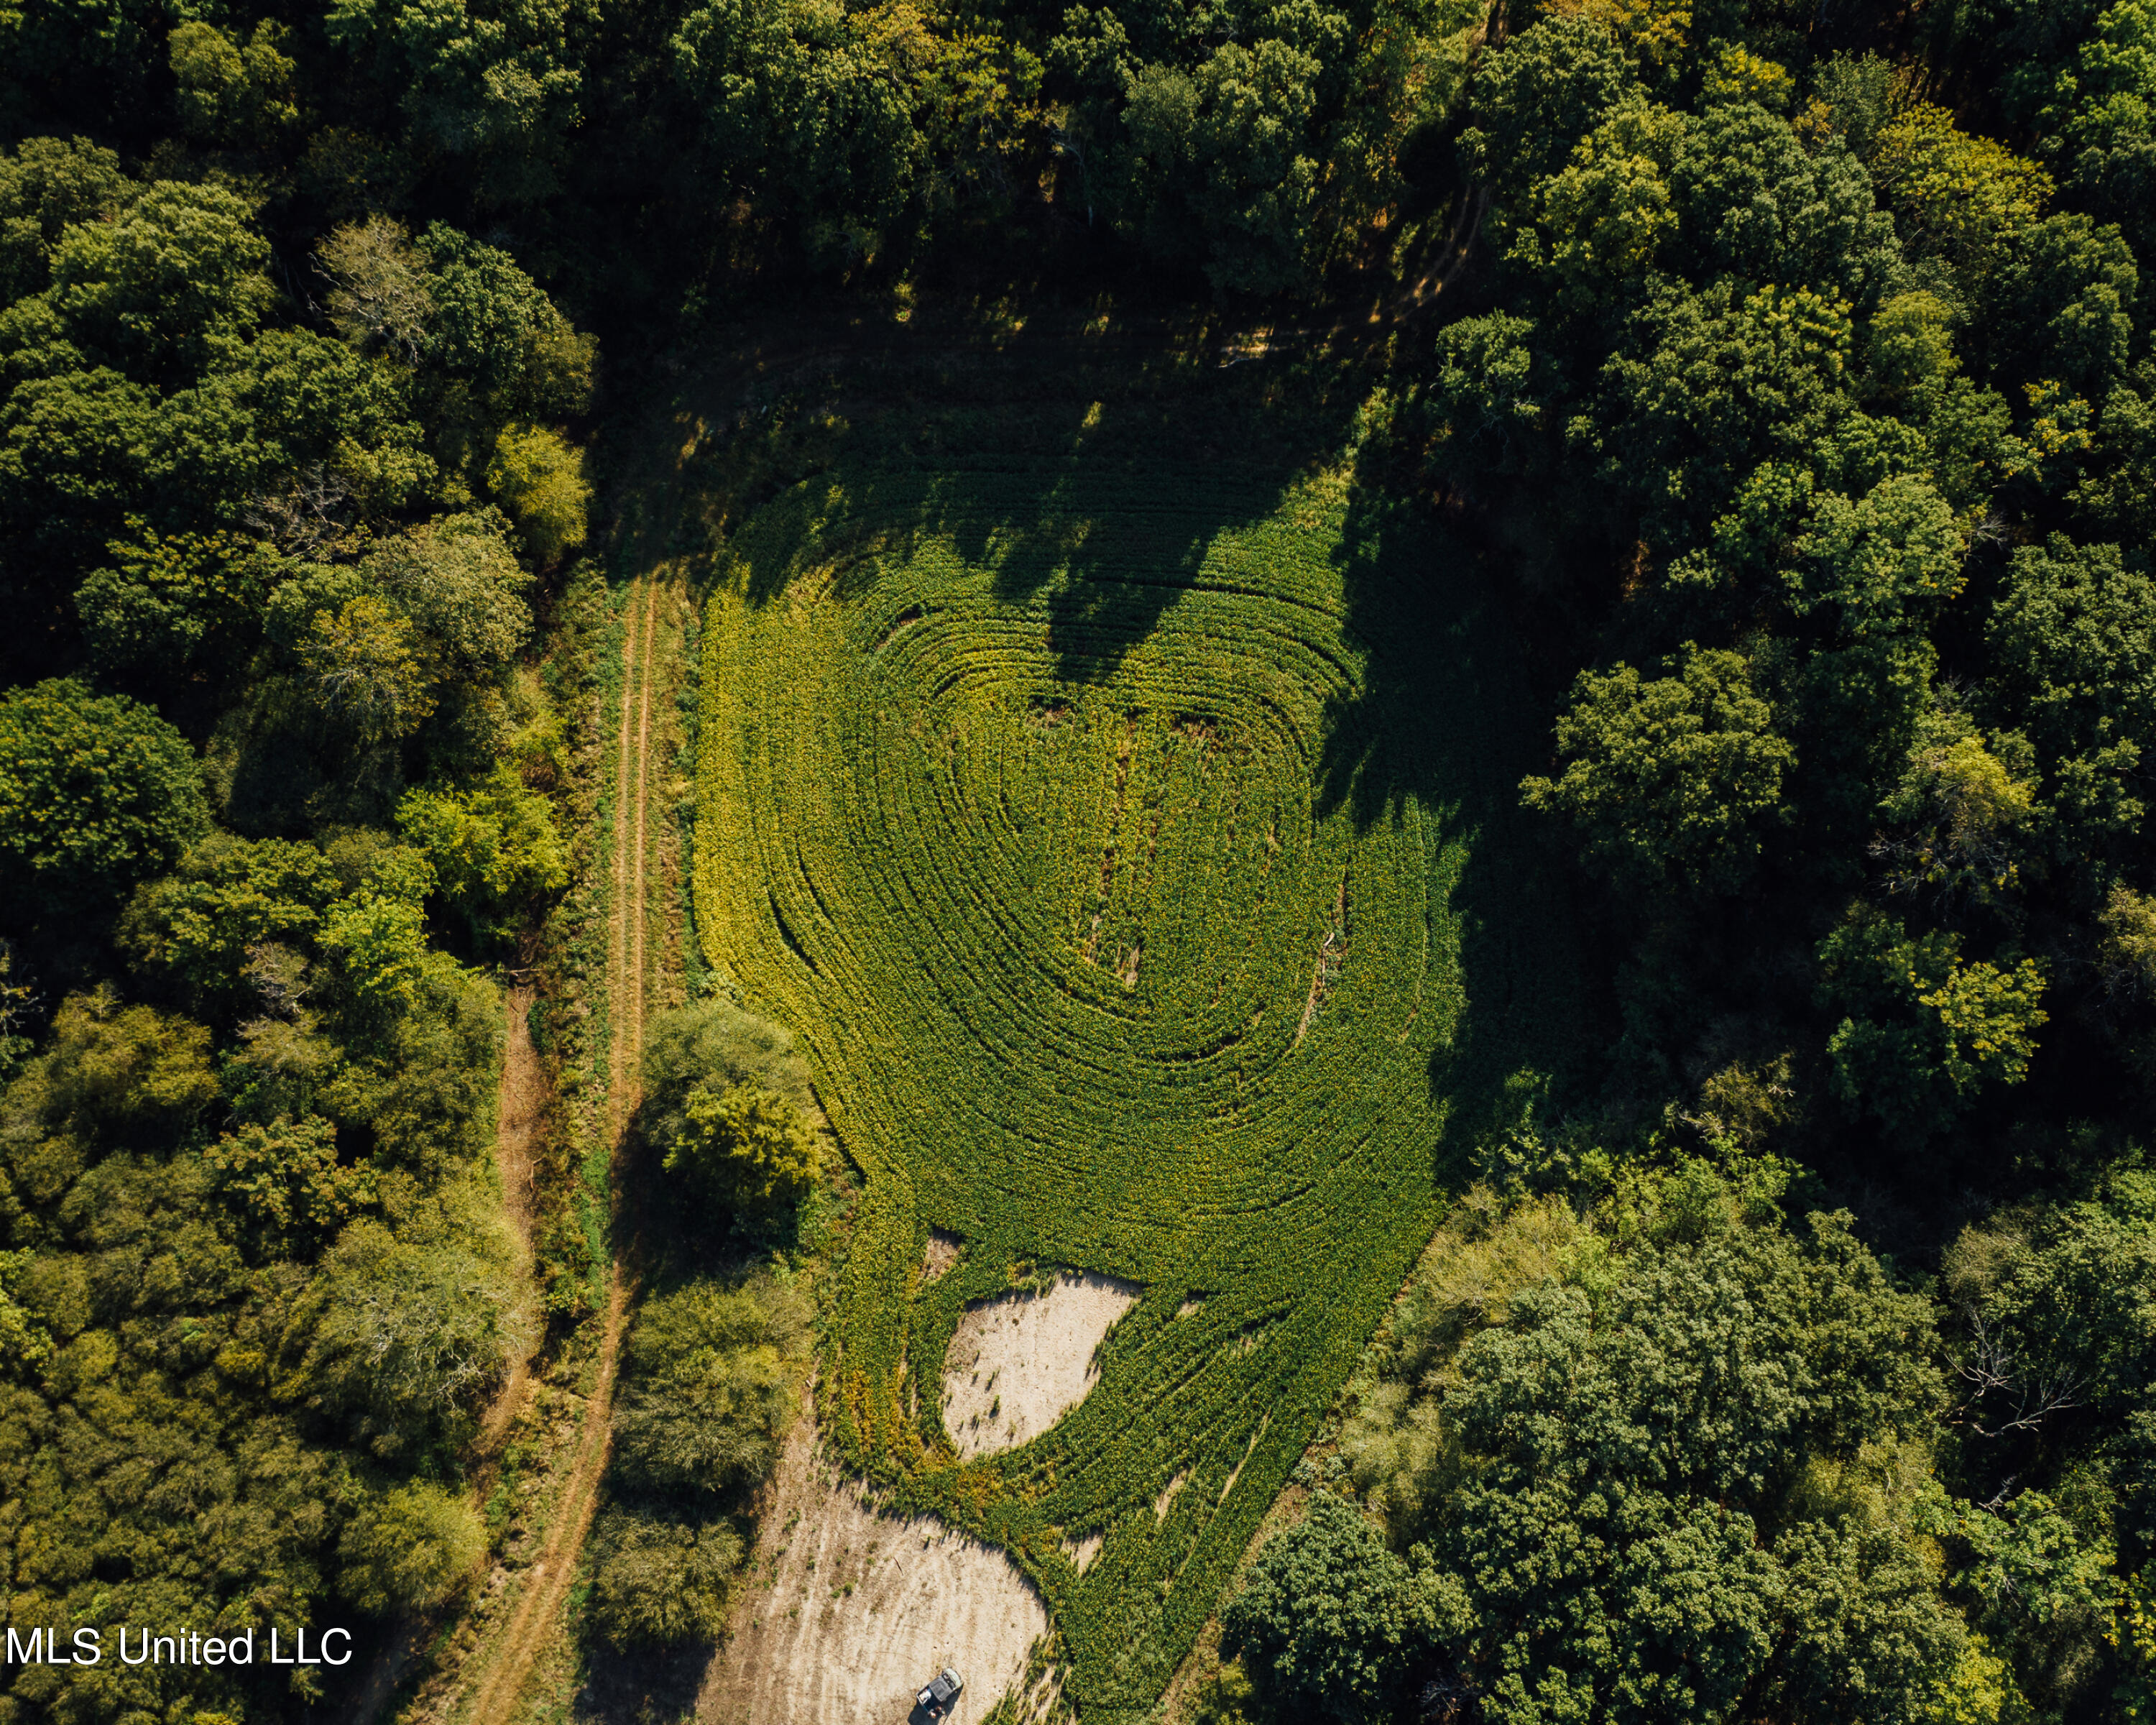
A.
x: 1133, y: 845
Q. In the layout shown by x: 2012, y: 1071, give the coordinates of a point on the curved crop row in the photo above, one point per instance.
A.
x: 1121, y: 907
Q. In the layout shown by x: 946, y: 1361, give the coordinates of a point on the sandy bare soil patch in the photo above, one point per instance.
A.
x: 942, y: 1254
x: 1018, y: 1363
x: 847, y: 1612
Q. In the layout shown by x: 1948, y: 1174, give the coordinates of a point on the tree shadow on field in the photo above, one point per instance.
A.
x: 1444, y: 719
x: 1098, y: 513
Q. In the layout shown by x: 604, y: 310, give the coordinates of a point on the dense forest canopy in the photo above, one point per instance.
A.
x: 1789, y: 364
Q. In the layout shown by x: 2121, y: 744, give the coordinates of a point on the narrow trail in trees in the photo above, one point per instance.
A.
x: 537, y: 1619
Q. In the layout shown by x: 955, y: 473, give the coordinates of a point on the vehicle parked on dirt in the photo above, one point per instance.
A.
x: 943, y: 1690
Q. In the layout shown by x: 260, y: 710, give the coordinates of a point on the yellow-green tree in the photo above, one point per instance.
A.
x: 747, y: 1147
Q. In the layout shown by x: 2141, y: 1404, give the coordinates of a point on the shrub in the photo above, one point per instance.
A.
x: 411, y: 1549
x: 712, y: 1378
x: 660, y: 1582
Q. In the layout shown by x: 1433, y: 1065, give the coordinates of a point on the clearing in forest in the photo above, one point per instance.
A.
x: 1132, y: 842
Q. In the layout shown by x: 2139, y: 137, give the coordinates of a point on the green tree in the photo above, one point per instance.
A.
x: 746, y: 1147
x: 412, y: 1549
x: 1755, y: 203
x: 284, y: 1181
x: 801, y: 103
x: 407, y: 1333
x: 1623, y: 1452
x: 463, y: 591
x: 175, y: 280
x: 1954, y: 192
x: 660, y: 1581
x: 366, y: 663
x: 235, y: 92
x: 493, y: 849
x: 1706, y: 386
x: 46, y: 185
x: 495, y: 330
x: 2073, y: 642
x: 1606, y: 215
x: 166, y: 598
x: 375, y: 937
x: 2058, y: 306
x: 96, y: 792
x: 1924, y: 1030
x: 497, y: 84
x: 1886, y: 561
x: 711, y: 1385
x: 1327, y: 1620
x: 1491, y: 400
x: 539, y: 476
x: 1670, y: 780
x: 378, y: 296
x: 1540, y: 92
x: 2103, y: 117
x: 228, y: 899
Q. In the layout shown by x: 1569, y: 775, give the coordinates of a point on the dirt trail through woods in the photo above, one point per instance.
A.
x: 506, y: 1667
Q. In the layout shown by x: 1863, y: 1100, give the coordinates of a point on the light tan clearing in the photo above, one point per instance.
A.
x: 942, y: 1255
x: 1019, y: 1363
x: 1161, y: 1503
x: 1249, y: 1449
x: 1084, y: 1550
x: 846, y: 1612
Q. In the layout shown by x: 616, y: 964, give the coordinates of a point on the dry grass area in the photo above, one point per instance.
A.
x: 846, y: 1611
x: 1018, y: 1363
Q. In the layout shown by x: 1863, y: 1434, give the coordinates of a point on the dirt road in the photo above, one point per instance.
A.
x: 536, y: 1620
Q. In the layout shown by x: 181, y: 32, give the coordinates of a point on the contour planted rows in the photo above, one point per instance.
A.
x: 1121, y: 911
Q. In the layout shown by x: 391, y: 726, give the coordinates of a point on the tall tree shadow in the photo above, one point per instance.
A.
x: 1099, y: 513
x: 1445, y: 719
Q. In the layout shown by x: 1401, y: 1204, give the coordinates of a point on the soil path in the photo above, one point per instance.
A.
x: 523, y: 1111
x: 506, y: 1667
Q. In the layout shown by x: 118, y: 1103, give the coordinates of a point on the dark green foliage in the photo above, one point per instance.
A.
x: 45, y: 186
x: 1671, y: 1478
x: 710, y: 1380
x: 1707, y: 385
x: 1547, y: 87
x: 283, y: 1183
x: 96, y: 793
x: 1810, y: 382
x: 2058, y: 306
x: 1755, y: 203
x: 1674, y: 780
x: 1327, y: 1619
x: 157, y: 292
x: 2073, y: 633
x: 800, y: 106
x: 210, y: 922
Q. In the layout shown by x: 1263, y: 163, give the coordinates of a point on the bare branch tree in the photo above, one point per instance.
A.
x: 1990, y: 1370
x: 307, y: 517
